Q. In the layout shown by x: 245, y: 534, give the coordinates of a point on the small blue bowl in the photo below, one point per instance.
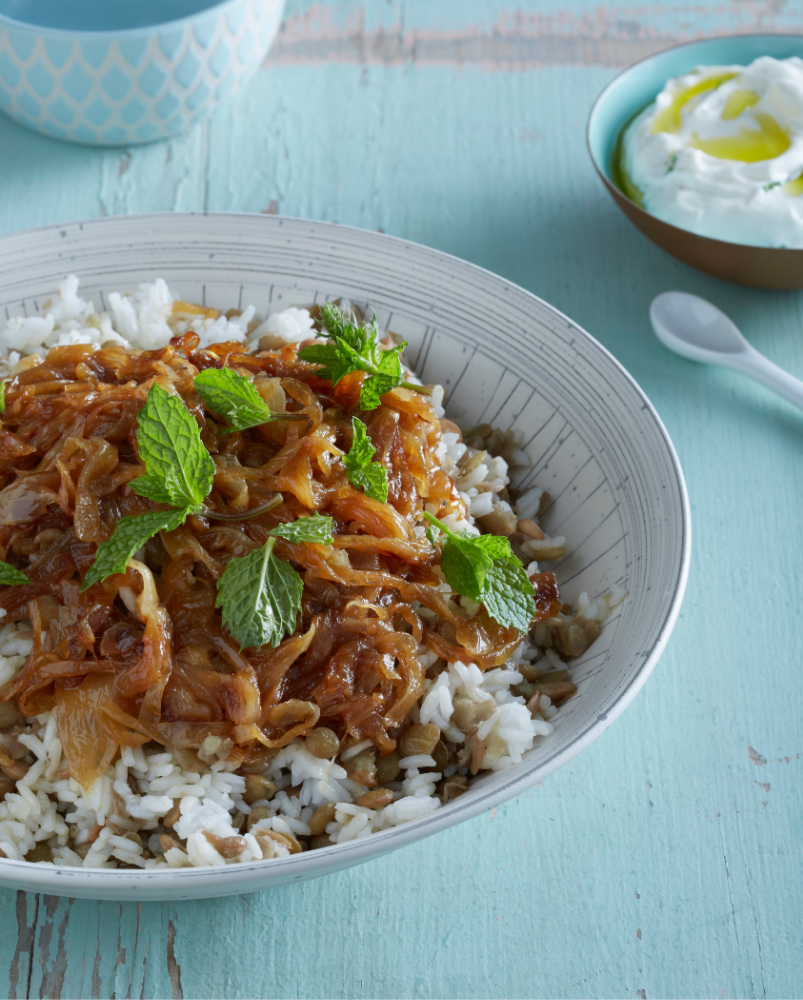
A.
x: 633, y: 90
x: 136, y: 71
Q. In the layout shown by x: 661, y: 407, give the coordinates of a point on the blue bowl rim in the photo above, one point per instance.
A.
x: 111, y: 35
x: 604, y: 169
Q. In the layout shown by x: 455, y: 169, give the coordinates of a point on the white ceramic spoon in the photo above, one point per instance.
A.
x: 696, y: 329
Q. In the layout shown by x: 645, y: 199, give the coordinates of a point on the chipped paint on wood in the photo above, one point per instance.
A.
x: 173, y: 968
x: 19, y: 973
x: 514, y: 41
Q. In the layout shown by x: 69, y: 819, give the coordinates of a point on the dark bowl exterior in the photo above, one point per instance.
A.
x: 757, y: 267
x: 633, y: 89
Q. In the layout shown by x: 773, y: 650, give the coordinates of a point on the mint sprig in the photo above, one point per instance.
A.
x: 179, y: 468
x: 260, y: 594
x: 179, y: 472
x: 236, y: 398
x: 260, y: 597
x: 353, y: 347
x: 10, y: 576
x: 484, y: 569
x: 371, y: 477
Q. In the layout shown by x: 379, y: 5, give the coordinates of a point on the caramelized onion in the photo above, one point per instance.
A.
x: 143, y: 656
x: 86, y: 743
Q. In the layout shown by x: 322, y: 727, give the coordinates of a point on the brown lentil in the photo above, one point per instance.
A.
x: 362, y: 768
x: 440, y: 755
x: 40, y: 852
x: 534, y: 703
x: 258, y: 787
x: 167, y: 843
x: 387, y: 767
x: 14, y: 769
x: 261, y: 812
x: 421, y: 738
x: 452, y: 788
x: 171, y: 817
x: 554, y: 675
x: 528, y: 671
x: 8, y: 714
x: 227, y: 847
x: 290, y: 843
x: 377, y: 798
x: 320, y: 819
x: 559, y: 691
x: 323, y: 742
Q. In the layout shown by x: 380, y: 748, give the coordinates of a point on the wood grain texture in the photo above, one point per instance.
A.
x: 665, y: 860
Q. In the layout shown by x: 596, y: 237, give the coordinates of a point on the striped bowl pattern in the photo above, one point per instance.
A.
x: 506, y: 358
x: 127, y: 87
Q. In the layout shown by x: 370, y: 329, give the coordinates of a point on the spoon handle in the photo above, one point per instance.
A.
x: 751, y: 363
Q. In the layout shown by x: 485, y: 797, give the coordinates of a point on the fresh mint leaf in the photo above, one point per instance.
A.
x: 496, y: 546
x: 508, y: 594
x: 387, y: 377
x: 170, y: 445
x: 316, y: 528
x: 341, y: 324
x: 9, y: 576
x: 336, y: 364
x: 483, y: 568
x: 465, y: 565
x: 232, y: 396
x: 354, y: 348
x: 129, y: 535
x: 152, y: 487
x: 260, y: 597
x: 371, y: 477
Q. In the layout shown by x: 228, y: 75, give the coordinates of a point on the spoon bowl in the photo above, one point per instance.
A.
x: 695, y: 329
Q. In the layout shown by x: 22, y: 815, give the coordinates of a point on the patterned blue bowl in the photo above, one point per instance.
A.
x: 131, y: 85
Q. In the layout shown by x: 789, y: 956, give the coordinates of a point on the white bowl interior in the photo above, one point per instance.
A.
x: 505, y: 358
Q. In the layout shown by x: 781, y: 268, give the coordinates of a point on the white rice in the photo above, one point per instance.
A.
x: 120, y: 815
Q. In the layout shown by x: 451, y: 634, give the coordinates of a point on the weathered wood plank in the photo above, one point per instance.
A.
x: 665, y: 860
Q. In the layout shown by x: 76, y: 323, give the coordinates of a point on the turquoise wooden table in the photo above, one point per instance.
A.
x: 665, y: 861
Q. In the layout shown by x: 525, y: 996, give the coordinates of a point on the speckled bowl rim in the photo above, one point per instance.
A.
x: 113, y: 34
x: 604, y: 172
x: 233, y: 879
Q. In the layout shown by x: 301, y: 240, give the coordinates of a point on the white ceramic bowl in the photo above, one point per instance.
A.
x: 506, y: 358
x: 126, y: 85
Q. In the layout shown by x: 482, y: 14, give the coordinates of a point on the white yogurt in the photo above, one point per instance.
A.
x: 720, y: 153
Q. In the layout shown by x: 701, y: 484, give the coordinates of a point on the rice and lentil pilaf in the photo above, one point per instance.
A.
x: 134, y: 730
